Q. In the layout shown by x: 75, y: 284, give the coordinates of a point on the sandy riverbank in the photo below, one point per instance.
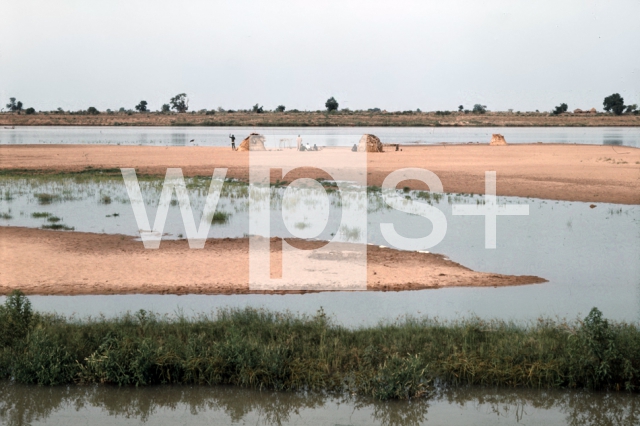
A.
x: 65, y: 263
x: 589, y: 173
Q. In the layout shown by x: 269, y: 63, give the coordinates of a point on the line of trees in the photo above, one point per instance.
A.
x: 180, y: 104
x: 613, y: 103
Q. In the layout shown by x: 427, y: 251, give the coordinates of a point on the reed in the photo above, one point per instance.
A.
x: 283, y: 351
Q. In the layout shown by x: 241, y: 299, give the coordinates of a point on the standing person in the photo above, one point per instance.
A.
x: 233, y: 142
x: 299, y: 142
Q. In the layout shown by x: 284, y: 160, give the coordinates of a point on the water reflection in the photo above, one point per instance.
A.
x: 21, y: 405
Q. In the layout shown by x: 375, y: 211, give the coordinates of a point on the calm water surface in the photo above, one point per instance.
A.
x: 591, y: 256
x: 102, y: 405
x: 322, y: 136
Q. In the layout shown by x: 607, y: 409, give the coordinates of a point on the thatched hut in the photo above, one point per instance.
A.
x: 369, y: 143
x: 578, y: 111
x: 497, y: 139
x: 253, y: 142
x: 593, y: 111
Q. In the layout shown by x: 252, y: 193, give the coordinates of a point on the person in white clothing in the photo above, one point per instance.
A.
x: 299, y: 142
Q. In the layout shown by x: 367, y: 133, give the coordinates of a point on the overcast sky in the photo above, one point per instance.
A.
x: 395, y: 55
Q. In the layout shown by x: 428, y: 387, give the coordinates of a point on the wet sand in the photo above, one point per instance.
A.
x: 71, y: 263
x: 589, y: 173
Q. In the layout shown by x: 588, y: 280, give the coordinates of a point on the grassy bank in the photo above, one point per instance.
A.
x: 324, y: 119
x: 270, y: 350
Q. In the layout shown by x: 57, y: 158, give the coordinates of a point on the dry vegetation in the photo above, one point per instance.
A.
x: 319, y: 119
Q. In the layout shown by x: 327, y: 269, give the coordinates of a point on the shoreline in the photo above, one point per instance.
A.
x: 323, y: 119
x: 47, y: 262
x: 581, y: 173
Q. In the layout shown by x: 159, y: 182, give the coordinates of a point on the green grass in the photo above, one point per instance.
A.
x: 44, y: 198
x: 58, y: 227
x: 5, y: 216
x: 40, y: 215
x: 282, y: 351
x: 53, y: 219
x: 219, y: 216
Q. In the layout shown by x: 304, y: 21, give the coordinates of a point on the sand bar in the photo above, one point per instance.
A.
x: 589, y: 173
x: 69, y: 263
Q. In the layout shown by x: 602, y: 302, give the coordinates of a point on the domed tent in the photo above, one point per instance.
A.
x: 369, y: 143
x: 497, y: 139
x: 253, y: 142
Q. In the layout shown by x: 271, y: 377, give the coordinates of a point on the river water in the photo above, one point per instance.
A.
x: 322, y: 136
x: 590, y: 256
x: 163, y: 405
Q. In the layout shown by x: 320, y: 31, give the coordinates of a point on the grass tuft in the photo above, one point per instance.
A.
x: 44, y: 198
x: 58, y: 227
x: 40, y: 215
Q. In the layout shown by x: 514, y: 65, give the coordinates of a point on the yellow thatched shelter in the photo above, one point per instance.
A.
x: 253, y: 142
x: 369, y: 143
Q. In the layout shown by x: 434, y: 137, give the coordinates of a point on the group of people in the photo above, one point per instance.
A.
x: 306, y: 147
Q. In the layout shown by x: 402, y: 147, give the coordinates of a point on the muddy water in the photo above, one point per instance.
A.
x: 102, y: 405
x: 322, y: 136
x: 589, y: 255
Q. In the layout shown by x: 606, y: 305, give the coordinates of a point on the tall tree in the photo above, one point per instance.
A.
x: 180, y: 102
x: 14, y: 106
x: 142, y: 106
x: 614, y: 103
x: 331, y: 104
x: 479, y: 109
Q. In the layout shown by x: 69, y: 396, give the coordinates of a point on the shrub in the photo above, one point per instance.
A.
x: 280, y: 108
x: 30, y: 111
x: 92, y: 111
x: 479, y: 109
x: 560, y: 109
x: 16, y: 318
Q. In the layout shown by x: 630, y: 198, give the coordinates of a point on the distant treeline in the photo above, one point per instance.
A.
x: 281, y: 351
x: 180, y: 104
